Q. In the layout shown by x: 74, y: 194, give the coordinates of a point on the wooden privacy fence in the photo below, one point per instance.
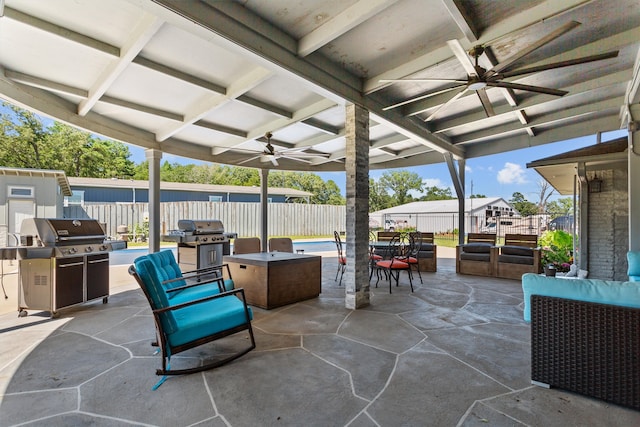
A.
x: 285, y: 219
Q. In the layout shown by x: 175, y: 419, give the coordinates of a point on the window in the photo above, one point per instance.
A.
x: 77, y: 199
x: 24, y: 192
x: 215, y: 198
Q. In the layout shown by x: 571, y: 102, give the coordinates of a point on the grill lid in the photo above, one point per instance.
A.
x: 55, y: 232
x: 201, y: 226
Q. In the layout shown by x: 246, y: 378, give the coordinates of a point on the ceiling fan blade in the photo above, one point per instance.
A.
x: 536, y: 45
x: 298, y: 159
x: 486, y: 104
x: 426, y: 79
x: 463, y: 57
x: 539, y: 89
x: 425, y: 96
x: 559, y: 64
x: 445, y: 105
x: 248, y: 160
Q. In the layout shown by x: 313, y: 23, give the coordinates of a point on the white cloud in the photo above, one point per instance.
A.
x: 468, y: 168
x: 512, y: 173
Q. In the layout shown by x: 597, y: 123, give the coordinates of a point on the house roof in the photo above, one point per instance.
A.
x: 180, y: 186
x: 560, y: 170
x: 60, y: 176
x: 208, y: 79
x: 441, y: 206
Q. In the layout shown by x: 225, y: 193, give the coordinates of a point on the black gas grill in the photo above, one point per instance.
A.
x: 62, y: 262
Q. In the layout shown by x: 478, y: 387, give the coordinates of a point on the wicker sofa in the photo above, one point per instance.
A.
x: 585, y: 336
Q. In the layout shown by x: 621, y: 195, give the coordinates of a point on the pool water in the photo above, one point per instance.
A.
x: 126, y: 256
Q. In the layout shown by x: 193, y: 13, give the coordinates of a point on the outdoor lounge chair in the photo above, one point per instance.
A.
x: 518, y: 256
x: 280, y: 244
x: 193, y: 322
x: 477, y: 256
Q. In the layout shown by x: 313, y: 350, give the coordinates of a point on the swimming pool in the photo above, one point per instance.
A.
x: 126, y: 256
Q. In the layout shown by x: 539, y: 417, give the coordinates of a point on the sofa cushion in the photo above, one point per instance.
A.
x: 477, y: 248
x: 427, y: 247
x: 516, y: 259
x: 208, y: 318
x: 633, y: 259
x: 475, y: 257
x: 625, y: 294
x: 153, y: 287
x: 168, y: 269
x: 516, y: 250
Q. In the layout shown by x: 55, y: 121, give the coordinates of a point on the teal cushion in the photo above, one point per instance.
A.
x: 153, y: 287
x: 208, y: 318
x: 633, y: 258
x: 626, y: 294
x: 168, y: 269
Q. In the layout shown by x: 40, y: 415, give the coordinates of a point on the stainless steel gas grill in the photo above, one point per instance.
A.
x: 201, y: 243
x: 62, y: 262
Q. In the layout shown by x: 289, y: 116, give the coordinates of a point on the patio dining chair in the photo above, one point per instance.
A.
x: 342, y: 261
x: 391, y: 265
x: 411, y: 254
x: 280, y: 244
x: 246, y: 245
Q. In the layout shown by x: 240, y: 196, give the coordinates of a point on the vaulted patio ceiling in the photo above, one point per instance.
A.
x: 208, y: 79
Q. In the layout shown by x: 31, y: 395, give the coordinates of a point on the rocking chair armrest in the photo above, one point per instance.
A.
x: 201, y: 300
x: 220, y: 281
x: 204, y: 271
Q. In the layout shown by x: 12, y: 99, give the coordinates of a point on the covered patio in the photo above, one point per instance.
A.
x: 455, y: 352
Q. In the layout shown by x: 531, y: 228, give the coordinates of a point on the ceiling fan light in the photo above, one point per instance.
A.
x: 477, y: 85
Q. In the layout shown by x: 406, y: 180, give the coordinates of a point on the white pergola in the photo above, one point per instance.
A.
x: 208, y: 79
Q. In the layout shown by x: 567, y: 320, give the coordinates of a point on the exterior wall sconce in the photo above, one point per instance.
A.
x: 595, y: 185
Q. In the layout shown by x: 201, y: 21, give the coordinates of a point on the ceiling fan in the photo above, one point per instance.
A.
x: 479, y: 79
x: 270, y: 154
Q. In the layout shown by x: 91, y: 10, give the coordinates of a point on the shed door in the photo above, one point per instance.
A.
x: 19, y: 210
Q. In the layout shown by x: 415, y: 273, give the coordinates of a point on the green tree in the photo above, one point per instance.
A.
x: 28, y: 143
x: 325, y: 193
x: 522, y: 205
x: 436, y: 193
x: 400, y: 183
x: 378, y: 197
x: 560, y: 207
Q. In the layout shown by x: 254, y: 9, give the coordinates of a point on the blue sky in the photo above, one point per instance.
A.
x: 498, y: 175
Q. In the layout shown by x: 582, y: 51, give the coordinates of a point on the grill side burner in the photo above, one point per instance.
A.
x: 67, y: 264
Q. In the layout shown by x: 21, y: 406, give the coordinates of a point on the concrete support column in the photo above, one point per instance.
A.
x: 356, y: 278
x: 264, y: 200
x: 634, y: 179
x: 154, y: 157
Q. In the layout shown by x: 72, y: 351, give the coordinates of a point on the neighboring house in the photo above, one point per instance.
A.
x: 597, y: 176
x: 29, y: 193
x: 95, y: 190
x: 441, y: 216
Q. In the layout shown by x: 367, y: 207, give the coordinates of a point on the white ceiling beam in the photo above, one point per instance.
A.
x: 45, y: 84
x: 526, y: 18
x: 139, y: 37
x: 517, y: 142
x: 61, y: 32
x: 346, y: 20
x: 544, y: 120
x: 462, y: 19
x: 258, y: 132
x: 205, y: 105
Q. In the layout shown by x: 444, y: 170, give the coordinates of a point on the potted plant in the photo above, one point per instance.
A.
x: 557, y: 249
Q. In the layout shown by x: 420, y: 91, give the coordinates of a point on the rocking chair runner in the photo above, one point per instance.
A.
x: 187, y: 324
